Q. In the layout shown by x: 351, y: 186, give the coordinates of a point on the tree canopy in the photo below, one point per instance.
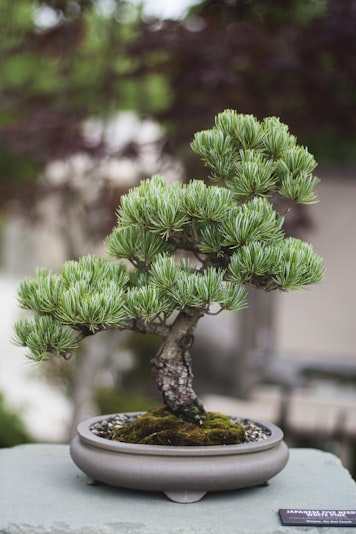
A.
x: 191, y: 246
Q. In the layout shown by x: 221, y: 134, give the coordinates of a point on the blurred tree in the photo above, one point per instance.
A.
x: 61, y: 63
x: 64, y: 62
x: 12, y: 427
x: 294, y: 59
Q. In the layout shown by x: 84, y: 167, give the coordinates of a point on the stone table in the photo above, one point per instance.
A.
x: 43, y: 492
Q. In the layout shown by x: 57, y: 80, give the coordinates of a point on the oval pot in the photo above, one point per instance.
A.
x: 184, y: 474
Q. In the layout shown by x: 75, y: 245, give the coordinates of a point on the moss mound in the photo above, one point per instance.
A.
x: 161, y: 427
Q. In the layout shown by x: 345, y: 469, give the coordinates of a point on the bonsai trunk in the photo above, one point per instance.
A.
x: 172, y: 367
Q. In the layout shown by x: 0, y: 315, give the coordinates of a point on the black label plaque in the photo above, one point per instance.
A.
x: 320, y: 518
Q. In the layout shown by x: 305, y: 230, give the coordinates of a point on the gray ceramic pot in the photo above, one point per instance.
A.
x: 184, y: 474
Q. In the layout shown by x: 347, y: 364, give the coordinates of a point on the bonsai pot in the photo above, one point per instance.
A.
x: 184, y: 474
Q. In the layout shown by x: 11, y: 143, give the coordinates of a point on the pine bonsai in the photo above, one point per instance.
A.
x: 183, y: 251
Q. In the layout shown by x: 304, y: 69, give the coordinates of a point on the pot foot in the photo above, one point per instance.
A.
x: 185, y: 497
x: 91, y: 481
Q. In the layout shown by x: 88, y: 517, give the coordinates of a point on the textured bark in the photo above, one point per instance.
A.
x: 172, y: 367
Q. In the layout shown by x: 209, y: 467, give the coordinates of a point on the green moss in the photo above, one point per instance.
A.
x: 161, y: 427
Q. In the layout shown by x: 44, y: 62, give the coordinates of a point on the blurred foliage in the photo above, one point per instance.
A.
x: 56, y: 73
x: 295, y: 60
x: 113, y: 400
x: 144, y: 347
x: 134, y: 389
x: 12, y: 428
x: 63, y: 62
x: 128, y: 389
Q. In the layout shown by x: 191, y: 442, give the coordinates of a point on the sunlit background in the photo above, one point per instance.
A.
x: 96, y: 95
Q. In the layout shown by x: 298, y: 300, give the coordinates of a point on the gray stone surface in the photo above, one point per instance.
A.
x: 42, y: 492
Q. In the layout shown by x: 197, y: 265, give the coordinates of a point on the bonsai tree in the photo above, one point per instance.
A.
x: 183, y: 251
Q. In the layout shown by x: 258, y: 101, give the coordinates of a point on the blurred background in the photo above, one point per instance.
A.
x: 96, y: 95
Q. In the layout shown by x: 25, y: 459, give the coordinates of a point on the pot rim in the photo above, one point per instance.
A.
x: 87, y: 437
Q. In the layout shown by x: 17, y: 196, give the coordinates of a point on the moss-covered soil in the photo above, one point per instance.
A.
x: 161, y: 427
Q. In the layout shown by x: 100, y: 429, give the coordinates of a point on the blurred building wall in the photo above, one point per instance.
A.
x: 321, y: 321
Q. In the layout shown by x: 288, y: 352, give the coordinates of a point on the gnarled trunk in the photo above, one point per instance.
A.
x: 172, y: 367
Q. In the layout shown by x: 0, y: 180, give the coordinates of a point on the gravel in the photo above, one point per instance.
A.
x: 105, y: 427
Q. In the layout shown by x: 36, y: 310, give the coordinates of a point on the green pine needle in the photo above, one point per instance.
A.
x: 190, y: 247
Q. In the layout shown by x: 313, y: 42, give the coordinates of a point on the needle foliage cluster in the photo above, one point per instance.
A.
x: 184, y: 246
